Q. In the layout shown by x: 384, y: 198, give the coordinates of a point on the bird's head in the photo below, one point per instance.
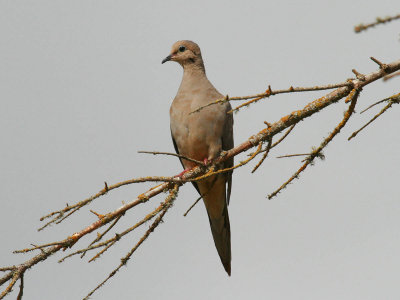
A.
x: 185, y: 53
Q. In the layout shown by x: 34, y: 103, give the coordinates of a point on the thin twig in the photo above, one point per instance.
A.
x: 392, y: 101
x: 100, y: 236
x: 21, y: 288
x: 283, y: 137
x: 10, y: 285
x: 264, y: 156
x: 293, y: 155
x: 201, y: 197
x: 255, y: 140
x: 390, y: 76
x: 362, y: 27
x: 353, y: 96
x: 174, y: 154
x: 191, y: 206
x: 37, y: 247
x: 269, y: 92
x: 108, y: 243
x: 5, y: 269
x: 394, y: 98
x: 242, y: 163
x: 58, y: 216
x: 168, y: 203
x: 279, y: 141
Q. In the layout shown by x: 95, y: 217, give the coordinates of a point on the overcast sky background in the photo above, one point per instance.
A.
x: 82, y: 89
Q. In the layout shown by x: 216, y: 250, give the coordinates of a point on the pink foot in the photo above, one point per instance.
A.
x: 206, y: 161
x: 183, y: 172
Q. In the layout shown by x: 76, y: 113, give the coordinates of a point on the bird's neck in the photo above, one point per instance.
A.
x: 193, y: 76
x: 194, y: 69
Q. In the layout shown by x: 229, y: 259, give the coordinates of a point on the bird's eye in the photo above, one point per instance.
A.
x: 182, y: 48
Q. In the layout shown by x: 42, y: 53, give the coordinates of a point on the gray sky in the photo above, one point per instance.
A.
x: 82, y: 89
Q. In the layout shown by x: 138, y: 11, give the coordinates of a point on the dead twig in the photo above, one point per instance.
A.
x: 293, y: 155
x: 350, y: 90
x: 395, y: 99
x: 362, y: 27
x: 264, y: 156
x: 167, y: 204
x: 387, y: 77
x: 174, y: 154
x: 100, y: 236
x: 309, y: 160
x: 269, y: 92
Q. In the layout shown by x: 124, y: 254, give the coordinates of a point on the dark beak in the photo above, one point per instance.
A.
x: 168, y: 58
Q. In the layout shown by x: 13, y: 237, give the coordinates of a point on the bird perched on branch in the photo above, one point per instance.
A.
x: 202, y: 136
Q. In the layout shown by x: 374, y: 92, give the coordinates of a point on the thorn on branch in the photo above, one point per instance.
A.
x: 358, y: 75
x: 268, y: 92
x: 268, y: 124
x: 382, y: 66
x: 97, y: 214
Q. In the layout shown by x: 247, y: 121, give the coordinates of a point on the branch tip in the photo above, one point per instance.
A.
x: 359, y: 76
x: 100, y: 216
x: 382, y: 66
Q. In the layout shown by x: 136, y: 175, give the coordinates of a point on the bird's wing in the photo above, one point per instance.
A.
x: 227, y: 144
x: 180, y: 159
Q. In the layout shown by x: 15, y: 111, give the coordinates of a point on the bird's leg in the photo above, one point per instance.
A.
x: 206, y: 161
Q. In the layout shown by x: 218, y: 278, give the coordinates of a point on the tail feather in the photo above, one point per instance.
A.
x: 221, y: 232
x: 214, y: 195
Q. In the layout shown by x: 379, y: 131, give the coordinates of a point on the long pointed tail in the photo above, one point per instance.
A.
x: 221, y: 232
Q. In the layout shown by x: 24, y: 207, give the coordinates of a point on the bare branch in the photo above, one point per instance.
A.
x: 269, y: 92
x: 100, y: 236
x: 387, y: 77
x: 174, y: 154
x: 193, y: 205
x: 21, y: 288
x: 381, y: 65
x: 293, y: 155
x: 362, y: 27
x: 309, y: 160
x: 264, y: 156
x: 350, y: 90
x: 283, y: 137
x: 168, y: 203
x: 395, y: 99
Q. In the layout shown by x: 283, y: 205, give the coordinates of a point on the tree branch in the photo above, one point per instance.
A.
x: 362, y: 27
x: 349, y: 89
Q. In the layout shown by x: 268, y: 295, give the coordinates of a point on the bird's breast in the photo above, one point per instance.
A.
x: 196, y: 135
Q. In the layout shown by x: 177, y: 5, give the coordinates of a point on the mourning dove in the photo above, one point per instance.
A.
x: 202, y: 136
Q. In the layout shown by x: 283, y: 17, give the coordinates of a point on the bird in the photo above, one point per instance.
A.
x: 202, y: 136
